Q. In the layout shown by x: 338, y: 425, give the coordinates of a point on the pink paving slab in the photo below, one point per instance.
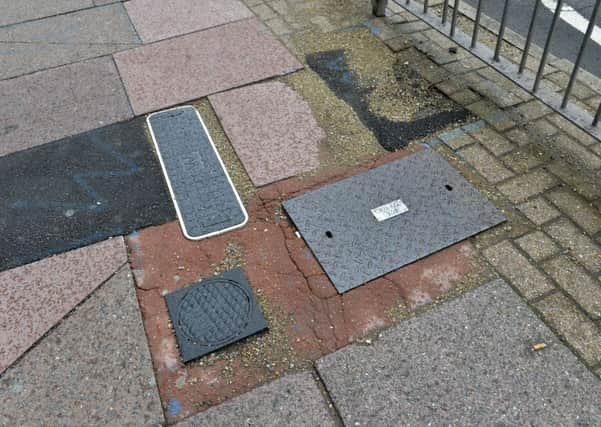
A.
x: 52, y: 104
x: 189, y: 67
x: 157, y: 19
x: 36, y: 296
x: 272, y: 130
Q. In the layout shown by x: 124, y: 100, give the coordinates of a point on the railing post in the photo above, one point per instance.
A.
x: 379, y: 7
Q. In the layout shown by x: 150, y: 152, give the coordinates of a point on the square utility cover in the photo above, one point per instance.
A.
x: 213, y: 313
x: 368, y: 225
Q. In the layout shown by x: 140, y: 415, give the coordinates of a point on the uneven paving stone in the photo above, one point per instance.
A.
x: 539, y: 211
x: 37, y: 296
x: 489, y: 167
x: 538, y: 245
x: 518, y: 270
x: 573, y: 325
x: 585, y: 184
x: 294, y: 400
x: 92, y: 369
x: 25, y: 10
x: 307, y: 318
x: 581, y: 247
x: 571, y: 149
x: 525, y: 186
x: 522, y: 161
x: 78, y: 191
x: 156, y: 20
x: 64, y: 39
x: 200, y: 64
x: 466, y: 362
x: 272, y: 130
x: 585, y: 289
x: 581, y: 212
x: 52, y: 104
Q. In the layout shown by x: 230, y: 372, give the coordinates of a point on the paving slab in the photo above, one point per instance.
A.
x: 64, y: 101
x: 37, y: 296
x: 204, y: 196
x: 294, y: 400
x: 156, y: 20
x: 467, y: 362
x: 78, y: 191
x: 189, y: 67
x: 272, y: 130
x: 64, y: 39
x: 92, y: 369
x: 25, y: 10
x: 363, y: 227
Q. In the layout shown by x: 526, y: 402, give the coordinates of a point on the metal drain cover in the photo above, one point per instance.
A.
x: 213, y: 313
x: 368, y: 225
x: 203, y: 193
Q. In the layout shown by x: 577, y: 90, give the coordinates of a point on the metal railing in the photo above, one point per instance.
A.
x: 531, y: 82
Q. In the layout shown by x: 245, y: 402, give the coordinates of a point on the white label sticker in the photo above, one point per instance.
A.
x: 389, y: 210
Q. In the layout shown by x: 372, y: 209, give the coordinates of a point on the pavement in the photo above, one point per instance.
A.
x: 501, y: 328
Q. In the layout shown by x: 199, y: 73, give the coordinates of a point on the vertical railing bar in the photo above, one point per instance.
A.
x: 543, y: 60
x: 445, y: 10
x: 529, y: 38
x: 454, y: 18
x: 425, y: 6
x: 587, y: 36
x: 477, y: 24
x: 501, y: 32
x: 597, y: 116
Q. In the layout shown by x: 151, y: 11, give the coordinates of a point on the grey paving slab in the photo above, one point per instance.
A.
x: 203, y: 193
x: 64, y: 101
x: 272, y: 130
x: 37, y: 296
x: 25, y: 10
x: 426, y: 205
x: 189, y: 67
x: 156, y: 20
x: 64, y: 39
x: 214, y: 313
x: 467, y: 362
x: 294, y: 400
x: 94, y: 368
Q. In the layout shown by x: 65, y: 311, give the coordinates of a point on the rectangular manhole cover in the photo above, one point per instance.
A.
x: 368, y: 225
x: 213, y: 313
x: 203, y: 193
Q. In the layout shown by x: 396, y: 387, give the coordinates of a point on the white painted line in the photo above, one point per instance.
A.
x: 574, y: 19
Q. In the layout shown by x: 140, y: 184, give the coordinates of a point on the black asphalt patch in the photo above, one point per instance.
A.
x: 214, y: 313
x: 333, y: 68
x: 363, y: 227
x: 205, y: 198
x: 79, y: 190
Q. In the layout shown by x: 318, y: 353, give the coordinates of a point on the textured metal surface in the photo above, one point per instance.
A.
x: 205, y: 198
x: 214, y: 313
x: 353, y: 247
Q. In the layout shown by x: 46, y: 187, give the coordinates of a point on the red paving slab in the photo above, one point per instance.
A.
x: 157, y: 20
x: 64, y: 101
x: 304, y: 304
x: 37, y: 296
x: 189, y: 67
x: 272, y: 130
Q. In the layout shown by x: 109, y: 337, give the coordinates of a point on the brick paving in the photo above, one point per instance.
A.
x: 542, y: 171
